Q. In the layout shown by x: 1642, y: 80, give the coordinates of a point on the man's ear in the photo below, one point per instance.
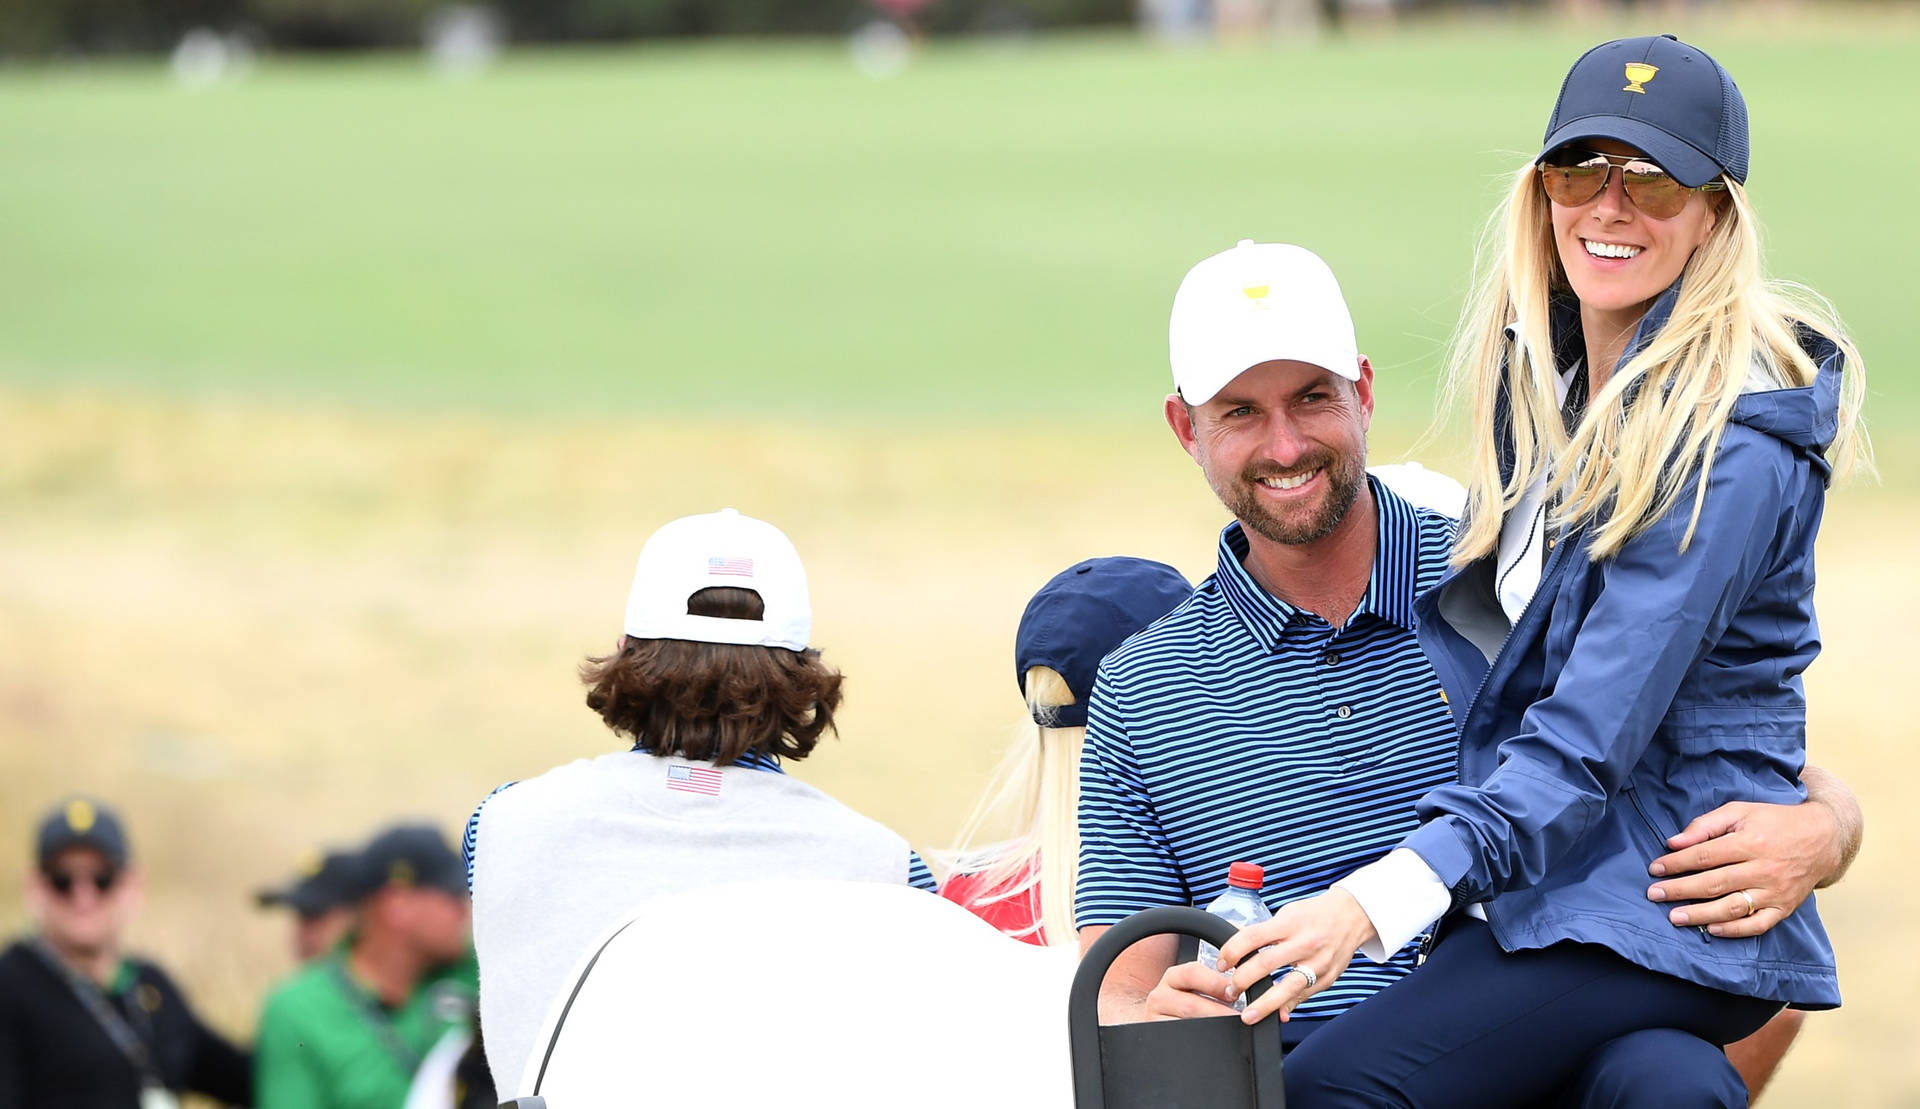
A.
x: 1180, y: 419
x: 1363, y: 388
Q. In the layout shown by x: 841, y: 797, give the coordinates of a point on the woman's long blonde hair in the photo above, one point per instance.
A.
x: 1627, y: 465
x: 1036, y: 789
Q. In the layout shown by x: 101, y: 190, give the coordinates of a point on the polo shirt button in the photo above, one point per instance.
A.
x: 1343, y: 711
x: 1331, y: 658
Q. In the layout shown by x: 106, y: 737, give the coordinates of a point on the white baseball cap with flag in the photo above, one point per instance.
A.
x: 721, y: 549
x: 1259, y: 302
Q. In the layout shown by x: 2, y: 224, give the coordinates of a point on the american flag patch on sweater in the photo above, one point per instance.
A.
x: 704, y: 780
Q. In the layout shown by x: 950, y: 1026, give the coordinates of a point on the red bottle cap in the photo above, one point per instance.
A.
x: 1246, y: 876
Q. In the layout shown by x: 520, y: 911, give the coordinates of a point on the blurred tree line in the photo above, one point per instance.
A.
x: 66, y: 27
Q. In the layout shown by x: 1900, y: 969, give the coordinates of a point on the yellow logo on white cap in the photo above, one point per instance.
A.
x: 80, y: 816
x: 1638, y: 74
x: 1257, y: 294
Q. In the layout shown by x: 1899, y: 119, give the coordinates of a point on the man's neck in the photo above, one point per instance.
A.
x: 98, y: 967
x: 387, y: 967
x: 1327, y: 577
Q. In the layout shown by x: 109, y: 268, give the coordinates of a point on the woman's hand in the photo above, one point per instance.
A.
x: 1317, y: 934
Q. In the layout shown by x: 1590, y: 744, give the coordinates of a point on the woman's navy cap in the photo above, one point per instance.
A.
x: 1662, y: 96
x: 1080, y: 616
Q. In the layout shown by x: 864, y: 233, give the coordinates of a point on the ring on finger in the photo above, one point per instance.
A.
x: 1751, y: 907
x: 1304, y: 972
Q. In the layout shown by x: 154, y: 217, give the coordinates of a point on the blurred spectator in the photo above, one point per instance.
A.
x: 714, y: 683
x: 82, y: 1024
x: 1024, y: 887
x: 321, y: 898
x: 382, y: 1021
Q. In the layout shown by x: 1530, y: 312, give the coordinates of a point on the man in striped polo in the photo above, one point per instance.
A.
x: 1285, y: 715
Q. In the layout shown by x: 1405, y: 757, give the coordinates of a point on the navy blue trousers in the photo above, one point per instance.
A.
x: 1571, y: 1025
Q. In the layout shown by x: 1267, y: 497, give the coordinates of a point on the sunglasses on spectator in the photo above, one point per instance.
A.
x: 63, y: 881
x: 1575, y: 177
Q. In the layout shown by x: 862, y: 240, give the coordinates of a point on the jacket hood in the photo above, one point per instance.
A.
x: 1808, y: 417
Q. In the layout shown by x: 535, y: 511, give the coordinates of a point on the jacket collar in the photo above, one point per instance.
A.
x: 1569, y: 346
x: 1390, y: 581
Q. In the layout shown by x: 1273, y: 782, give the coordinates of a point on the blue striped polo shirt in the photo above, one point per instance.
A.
x: 1240, y: 728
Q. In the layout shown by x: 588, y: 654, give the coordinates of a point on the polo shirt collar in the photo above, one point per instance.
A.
x: 1390, y: 583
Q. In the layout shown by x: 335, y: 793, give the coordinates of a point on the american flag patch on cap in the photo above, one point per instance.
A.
x: 704, y: 780
x: 730, y: 567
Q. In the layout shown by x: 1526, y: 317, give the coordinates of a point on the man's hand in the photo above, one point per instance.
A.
x: 1191, y: 990
x: 1315, y: 936
x: 1750, y: 866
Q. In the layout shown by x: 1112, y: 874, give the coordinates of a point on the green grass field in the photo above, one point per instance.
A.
x: 336, y: 403
x: 759, y: 228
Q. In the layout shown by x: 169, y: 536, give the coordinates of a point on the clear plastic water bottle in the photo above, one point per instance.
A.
x: 1239, y: 906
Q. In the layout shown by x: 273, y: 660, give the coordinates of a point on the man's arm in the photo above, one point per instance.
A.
x: 1775, y: 855
x: 1144, y: 983
x: 220, y: 1070
x: 285, y: 1071
x: 1126, y: 865
x: 13, y: 1049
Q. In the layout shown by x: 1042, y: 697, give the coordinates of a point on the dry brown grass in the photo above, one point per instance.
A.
x: 258, y: 629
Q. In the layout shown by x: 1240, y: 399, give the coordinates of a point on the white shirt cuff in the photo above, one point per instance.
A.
x: 1401, y: 895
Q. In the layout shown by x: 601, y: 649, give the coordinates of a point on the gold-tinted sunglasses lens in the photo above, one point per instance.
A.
x: 1573, y: 185
x: 1654, y: 191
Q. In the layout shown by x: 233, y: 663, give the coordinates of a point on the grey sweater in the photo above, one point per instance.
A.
x: 560, y: 858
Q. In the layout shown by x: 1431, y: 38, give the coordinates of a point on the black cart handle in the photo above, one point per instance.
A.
x: 1083, y: 1004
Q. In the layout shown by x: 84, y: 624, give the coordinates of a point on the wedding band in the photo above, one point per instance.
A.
x: 1751, y: 907
x: 1307, y: 973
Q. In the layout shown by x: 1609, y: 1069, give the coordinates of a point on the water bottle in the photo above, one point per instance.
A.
x: 1239, y: 906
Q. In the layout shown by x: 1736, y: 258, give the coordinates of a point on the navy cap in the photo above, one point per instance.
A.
x: 1658, y: 94
x: 325, y: 882
x: 406, y: 855
x: 1080, y: 616
x: 81, y: 822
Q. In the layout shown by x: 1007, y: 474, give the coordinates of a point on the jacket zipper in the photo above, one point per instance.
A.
x: 1556, y: 554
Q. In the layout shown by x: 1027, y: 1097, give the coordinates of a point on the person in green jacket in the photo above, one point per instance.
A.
x: 389, y: 1013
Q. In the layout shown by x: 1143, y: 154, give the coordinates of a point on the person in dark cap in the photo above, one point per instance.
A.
x: 1621, y: 636
x: 321, y: 898
x: 388, y: 1015
x: 1024, y: 887
x: 83, y: 1024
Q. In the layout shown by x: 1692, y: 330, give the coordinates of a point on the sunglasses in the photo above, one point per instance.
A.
x: 63, y: 882
x: 1653, y: 190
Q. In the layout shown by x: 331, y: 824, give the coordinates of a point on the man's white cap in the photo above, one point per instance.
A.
x: 1259, y: 302
x: 720, y: 548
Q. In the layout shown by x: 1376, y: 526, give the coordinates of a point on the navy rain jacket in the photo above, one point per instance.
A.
x: 1635, y: 693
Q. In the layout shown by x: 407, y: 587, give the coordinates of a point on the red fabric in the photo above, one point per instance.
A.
x: 1017, y: 916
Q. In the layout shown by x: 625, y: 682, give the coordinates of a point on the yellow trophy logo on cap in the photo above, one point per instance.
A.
x: 1638, y: 74
x: 1257, y: 294
x: 400, y: 873
x: 80, y: 816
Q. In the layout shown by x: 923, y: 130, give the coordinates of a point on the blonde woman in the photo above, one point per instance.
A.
x: 1622, y: 638
x: 1024, y: 886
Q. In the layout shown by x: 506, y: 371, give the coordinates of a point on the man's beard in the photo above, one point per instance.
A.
x: 1344, y: 478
